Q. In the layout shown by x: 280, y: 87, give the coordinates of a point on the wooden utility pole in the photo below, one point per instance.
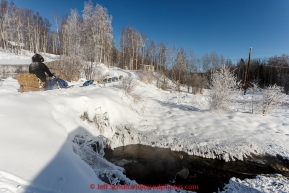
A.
x: 247, y: 73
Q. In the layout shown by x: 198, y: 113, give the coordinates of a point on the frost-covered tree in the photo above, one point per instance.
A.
x: 215, y: 60
x: 151, y: 52
x: 102, y: 31
x: 161, y: 59
x: 87, y: 31
x: 222, y: 88
x: 4, y: 24
x: 264, y: 101
x: 210, y: 61
x: 272, y: 98
x: 206, y: 64
x: 71, y: 40
x: 22, y: 29
x: 180, y: 67
x: 131, y: 45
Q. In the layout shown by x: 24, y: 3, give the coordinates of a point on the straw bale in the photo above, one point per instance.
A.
x: 28, y: 82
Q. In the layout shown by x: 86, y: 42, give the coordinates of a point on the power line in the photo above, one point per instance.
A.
x: 272, y: 50
x: 276, y: 66
x: 227, y: 59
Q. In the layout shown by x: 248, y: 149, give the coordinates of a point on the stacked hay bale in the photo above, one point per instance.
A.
x: 28, y: 82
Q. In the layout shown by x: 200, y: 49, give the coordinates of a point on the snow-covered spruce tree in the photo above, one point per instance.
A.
x: 223, y: 86
x: 272, y: 98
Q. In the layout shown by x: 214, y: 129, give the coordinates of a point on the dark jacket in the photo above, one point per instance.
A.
x: 39, y: 69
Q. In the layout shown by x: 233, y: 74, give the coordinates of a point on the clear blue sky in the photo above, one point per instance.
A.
x: 229, y: 27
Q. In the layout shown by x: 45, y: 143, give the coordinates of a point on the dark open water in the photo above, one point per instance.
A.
x: 152, y: 166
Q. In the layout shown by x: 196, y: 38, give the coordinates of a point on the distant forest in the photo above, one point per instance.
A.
x: 90, y: 37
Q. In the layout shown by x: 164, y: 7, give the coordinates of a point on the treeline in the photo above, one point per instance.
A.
x: 23, y: 29
x: 265, y: 72
x: 137, y: 49
x: 89, y: 36
x: 181, y: 66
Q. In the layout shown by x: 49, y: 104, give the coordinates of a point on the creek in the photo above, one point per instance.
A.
x: 153, y: 166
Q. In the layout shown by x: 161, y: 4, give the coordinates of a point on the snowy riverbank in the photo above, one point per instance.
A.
x: 37, y: 130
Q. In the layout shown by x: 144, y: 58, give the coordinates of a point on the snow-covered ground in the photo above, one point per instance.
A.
x: 266, y: 184
x: 21, y: 57
x: 37, y: 130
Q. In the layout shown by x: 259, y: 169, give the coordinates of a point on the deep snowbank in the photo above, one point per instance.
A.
x: 36, y: 134
x: 34, y: 145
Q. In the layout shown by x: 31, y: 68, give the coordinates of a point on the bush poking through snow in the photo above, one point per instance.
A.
x: 264, y: 101
x: 198, y: 82
x: 128, y: 84
x: 223, y: 87
x: 67, y: 67
x: 92, y: 70
x: 137, y: 97
x: 255, y: 100
x: 146, y: 77
x: 272, y: 98
x: 100, y: 120
x: 197, y: 90
x: 162, y: 81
